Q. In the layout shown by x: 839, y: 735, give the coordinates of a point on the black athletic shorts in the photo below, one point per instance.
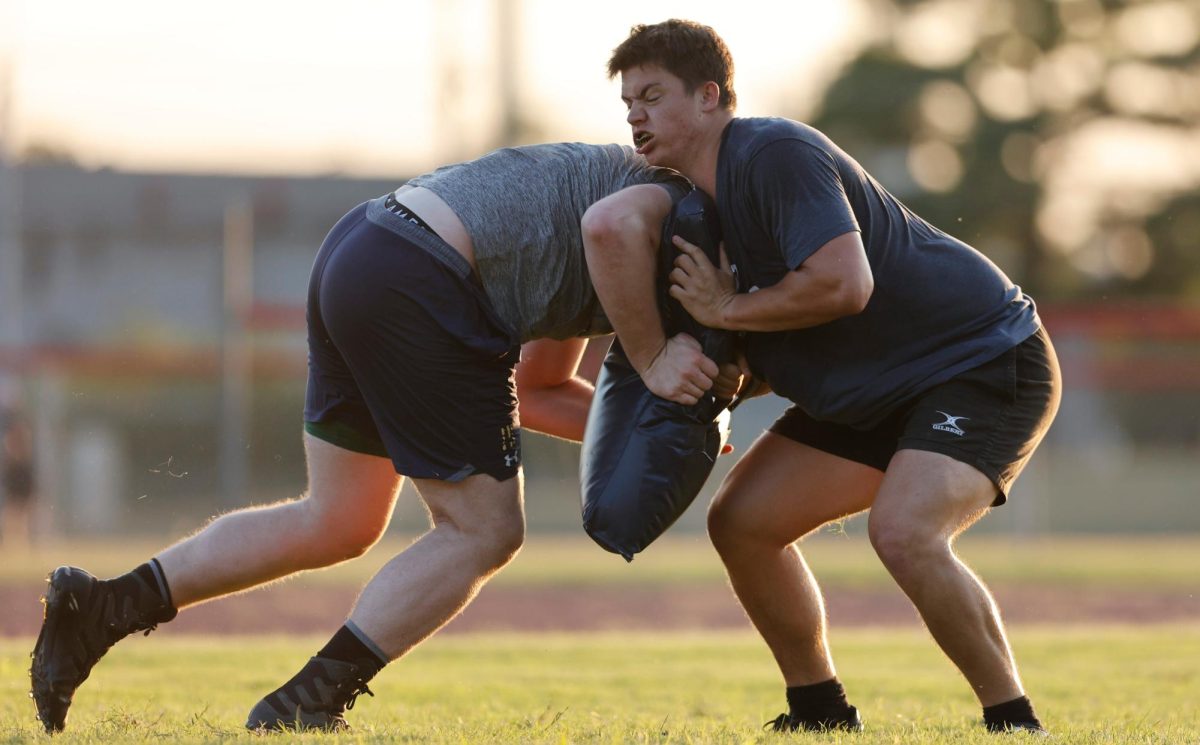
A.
x: 991, y: 417
x: 407, y: 358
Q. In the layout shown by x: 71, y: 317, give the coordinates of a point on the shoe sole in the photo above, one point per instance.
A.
x: 266, y: 718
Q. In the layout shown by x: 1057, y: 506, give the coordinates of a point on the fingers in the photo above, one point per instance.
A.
x: 690, y: 252
x: 727, y: 383
x: 687, y: 340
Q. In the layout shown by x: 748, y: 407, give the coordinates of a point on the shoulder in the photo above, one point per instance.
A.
x: 785, y: 140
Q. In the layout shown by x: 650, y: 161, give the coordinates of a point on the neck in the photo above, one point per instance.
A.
x: 701, y: 168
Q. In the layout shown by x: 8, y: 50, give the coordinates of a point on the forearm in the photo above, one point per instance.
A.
x: 621, y: 247
x: 796, y: 302
x: 834, y: 282
x: 559, y: 411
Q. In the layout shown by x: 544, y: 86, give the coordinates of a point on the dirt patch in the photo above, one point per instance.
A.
x: 295, y: 608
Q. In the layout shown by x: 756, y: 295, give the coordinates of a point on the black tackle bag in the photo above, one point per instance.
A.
x: 644, y: 458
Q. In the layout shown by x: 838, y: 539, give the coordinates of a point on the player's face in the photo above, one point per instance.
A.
x: 665, y: 118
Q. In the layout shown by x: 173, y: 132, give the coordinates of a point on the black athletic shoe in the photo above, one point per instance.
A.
x: 84, y: 617
x: 849, y: 722
x: 1030, y: 728
x: 315, y: 699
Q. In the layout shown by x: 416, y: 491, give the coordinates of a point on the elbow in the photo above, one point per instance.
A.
x: 854, y: 294
x: 601, y: 225
x: 607, y: 226
x: 858, y: 295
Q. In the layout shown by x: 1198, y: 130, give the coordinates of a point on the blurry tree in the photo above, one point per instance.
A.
x: 47, y: 154
x: 1060, y: 137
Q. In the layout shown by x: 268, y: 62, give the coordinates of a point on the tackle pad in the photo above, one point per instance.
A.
x: 644, y: 458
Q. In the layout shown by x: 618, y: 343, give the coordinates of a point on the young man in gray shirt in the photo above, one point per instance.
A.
x: 418, y: 306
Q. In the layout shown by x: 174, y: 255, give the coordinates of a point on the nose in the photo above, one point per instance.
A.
x: 635, y: 115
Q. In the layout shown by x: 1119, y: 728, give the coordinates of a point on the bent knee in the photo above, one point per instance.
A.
x: 732, y: 524
x: 493, y: 538
x: 497, y: 541
x: 907, y: 548
x: 507, y: 537
x: 348, y: 541
x: 334, y: 537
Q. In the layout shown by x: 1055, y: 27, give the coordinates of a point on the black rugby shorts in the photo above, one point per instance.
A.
x: 991, y: 417
x: 406, y: 356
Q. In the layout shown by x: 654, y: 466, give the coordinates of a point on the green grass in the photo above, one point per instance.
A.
x: 838, y: 558
x: 1091, y: 684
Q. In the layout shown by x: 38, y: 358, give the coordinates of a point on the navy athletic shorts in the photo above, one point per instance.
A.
x: 991, y: 417
x: 407, y: 358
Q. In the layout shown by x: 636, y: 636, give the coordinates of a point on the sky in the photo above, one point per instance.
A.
x: 372, y: 88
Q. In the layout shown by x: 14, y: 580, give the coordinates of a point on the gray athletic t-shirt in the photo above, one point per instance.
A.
x: 522, y: 207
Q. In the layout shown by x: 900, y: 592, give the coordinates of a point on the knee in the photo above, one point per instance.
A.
x: 906, y: 547
x: 732, y: 526
x: 496, y: 540
x: 506, y: 539
x: 334, y: 537
x: 354, y: 540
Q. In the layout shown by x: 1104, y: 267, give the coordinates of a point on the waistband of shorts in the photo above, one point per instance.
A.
x: 425, y: 239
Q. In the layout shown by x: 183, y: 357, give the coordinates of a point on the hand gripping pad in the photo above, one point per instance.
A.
x: 644, y: 459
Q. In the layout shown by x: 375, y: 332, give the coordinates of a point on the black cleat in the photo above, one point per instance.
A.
x: 1029, y: 728
x: 84, y: 617
x: 315, y: 699
x: 848, y: 721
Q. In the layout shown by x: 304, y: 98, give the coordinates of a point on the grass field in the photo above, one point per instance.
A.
x: 1092, y: 685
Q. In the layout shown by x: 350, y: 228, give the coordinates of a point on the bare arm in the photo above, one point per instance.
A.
x: 834, y: 282
x: 620, y: 238
x: 553, y: 400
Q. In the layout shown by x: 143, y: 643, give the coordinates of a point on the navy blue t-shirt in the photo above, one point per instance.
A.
x: 939, y: 307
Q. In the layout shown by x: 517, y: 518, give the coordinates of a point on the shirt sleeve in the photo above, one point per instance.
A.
x: 673, y: 181
x: 802, y: 203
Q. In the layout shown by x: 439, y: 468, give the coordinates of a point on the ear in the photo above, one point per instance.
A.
x: 710, y: 95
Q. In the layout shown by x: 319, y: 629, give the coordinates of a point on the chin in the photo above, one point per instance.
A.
x: 656, y: 158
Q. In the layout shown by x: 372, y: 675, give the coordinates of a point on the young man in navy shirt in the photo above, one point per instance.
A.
x: 921, y: 376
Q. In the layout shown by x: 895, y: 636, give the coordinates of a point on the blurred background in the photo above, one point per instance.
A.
x: 168, y: 172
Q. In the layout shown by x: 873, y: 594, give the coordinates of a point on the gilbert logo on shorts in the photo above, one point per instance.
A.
x: 950, y: 425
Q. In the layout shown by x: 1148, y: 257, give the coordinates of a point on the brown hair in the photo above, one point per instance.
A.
x: 690, y: 51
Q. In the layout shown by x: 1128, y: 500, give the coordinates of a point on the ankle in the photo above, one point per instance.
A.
x: 819, y: 701
x: 148, y: 589
x: 1015, y: 714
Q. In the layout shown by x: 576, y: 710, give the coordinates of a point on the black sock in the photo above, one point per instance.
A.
x: 349, y: 644
x: 148, y: 588
x: 819, y: 701
x: 1017, y: 713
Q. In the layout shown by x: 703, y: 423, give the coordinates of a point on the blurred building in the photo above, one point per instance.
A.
x: 162, y: 359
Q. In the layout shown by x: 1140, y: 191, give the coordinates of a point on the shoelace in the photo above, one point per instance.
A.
x: 359, y: 688
x: 779, y: 723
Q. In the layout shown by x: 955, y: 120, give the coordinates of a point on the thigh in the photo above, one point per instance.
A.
x: 347, y: 486
x: 993, y: 417
x: 928, y: 494
x: 783, y: 489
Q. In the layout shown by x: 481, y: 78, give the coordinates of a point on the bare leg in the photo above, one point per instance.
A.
x: 925, y: 501
x: 346, y: 509
x: 16, y: 526
x: 478, y: 527
x: 778, y: 492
